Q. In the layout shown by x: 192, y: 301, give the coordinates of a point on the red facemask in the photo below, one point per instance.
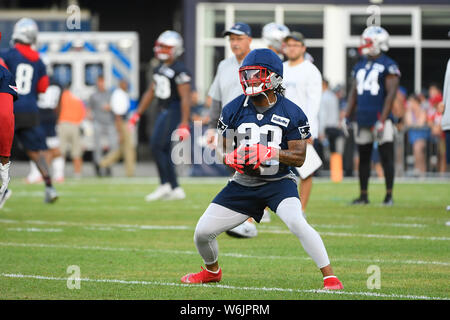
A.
x: 254, y: 80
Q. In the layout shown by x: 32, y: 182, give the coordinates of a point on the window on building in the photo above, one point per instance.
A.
x: 435, y: 24
x: 395, y: 24
x: 434, y: 64
x: 255, y: 19
x: 91, y: 73
x: 309, y: 23
x: 214, y: 23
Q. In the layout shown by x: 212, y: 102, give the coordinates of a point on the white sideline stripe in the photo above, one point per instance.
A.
x: 230, y: 254
x: 172, y: 284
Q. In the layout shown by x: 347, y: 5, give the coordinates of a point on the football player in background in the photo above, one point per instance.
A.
x: 273, y: 35
x: 264, y: 134
x: 31, y: 79
x: 376, y: 79
x: 171, y: 85
x: 8, y: 94
x: 303, y: 83
x: 49, y: 107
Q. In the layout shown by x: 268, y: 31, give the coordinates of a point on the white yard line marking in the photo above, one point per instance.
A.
x: 262, y: 229
x: 220, y: 286
x: 224, y: 254
x: 96, y: 225
x: 35, y: 229
x: 364, y: 235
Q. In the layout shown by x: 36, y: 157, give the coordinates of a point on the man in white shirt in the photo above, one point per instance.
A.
x: 303, y: 83
x: 120, y: 103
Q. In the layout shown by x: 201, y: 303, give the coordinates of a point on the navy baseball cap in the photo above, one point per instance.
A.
x: 239, y: 28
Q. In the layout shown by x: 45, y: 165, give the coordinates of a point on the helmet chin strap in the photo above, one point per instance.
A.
x: 265, y: 95
x: 268, y: 100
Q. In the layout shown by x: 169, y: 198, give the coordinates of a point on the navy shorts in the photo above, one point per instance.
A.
x: 252, y: 201
x: 31, y: 139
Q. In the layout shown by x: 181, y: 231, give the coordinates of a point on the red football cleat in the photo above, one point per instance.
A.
x: 332, y: 283
x: 203, y: 276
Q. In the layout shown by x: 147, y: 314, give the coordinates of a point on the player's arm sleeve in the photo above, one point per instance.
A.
x: 392, y: 69
x: 182, y: 78
x: 44, y: 80
x: 214, y: 113
x: 298, y: 128
x: 224, y: 123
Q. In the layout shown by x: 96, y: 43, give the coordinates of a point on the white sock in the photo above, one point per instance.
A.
x: 215, y: 272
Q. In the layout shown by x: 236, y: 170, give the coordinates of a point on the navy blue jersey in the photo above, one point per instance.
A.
x: 281, y: 123
x: 166, y: 79
x: 370, y: 78
x: 7, y: 83
x: 28, y: 72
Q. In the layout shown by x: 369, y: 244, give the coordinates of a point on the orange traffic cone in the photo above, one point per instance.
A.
x: 336, y: 167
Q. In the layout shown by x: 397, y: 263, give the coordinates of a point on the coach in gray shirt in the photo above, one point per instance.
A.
x: 226, y: 85
x: 103, y: 121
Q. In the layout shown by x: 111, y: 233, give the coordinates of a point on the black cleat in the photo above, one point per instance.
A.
x: 388, y: 202
x: 360, y: 201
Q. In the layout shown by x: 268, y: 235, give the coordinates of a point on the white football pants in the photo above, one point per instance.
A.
x: 218, y: 219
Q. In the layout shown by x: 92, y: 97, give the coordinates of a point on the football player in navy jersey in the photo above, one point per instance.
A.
x: 8, y: 94
x: 171, y: 85
x: 376, y: 78
x: 263, y: 135
x: 31, y: 79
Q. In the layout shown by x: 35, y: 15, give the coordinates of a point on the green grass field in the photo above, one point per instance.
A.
x: 127, y: 248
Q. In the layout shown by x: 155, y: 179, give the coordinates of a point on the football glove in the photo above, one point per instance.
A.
x: 133, y: 120
x: 345, y: 123
x: 183, y: 132
x: 378, y: 129
x: 259, y: 153
x: 235, y: 160
x: 4, y: 174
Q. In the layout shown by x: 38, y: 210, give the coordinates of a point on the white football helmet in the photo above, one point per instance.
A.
x: 25, y: 31
x: 168, y: 45
x: 374, y: 39
x: 273, y: 35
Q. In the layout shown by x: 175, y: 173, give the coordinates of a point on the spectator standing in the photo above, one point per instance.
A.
x: 99, y: 111
x: 71, y: 115
x: 120, y: 103
x: 329, y: 120
x: 434, y: 117
x: 418, y: 133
